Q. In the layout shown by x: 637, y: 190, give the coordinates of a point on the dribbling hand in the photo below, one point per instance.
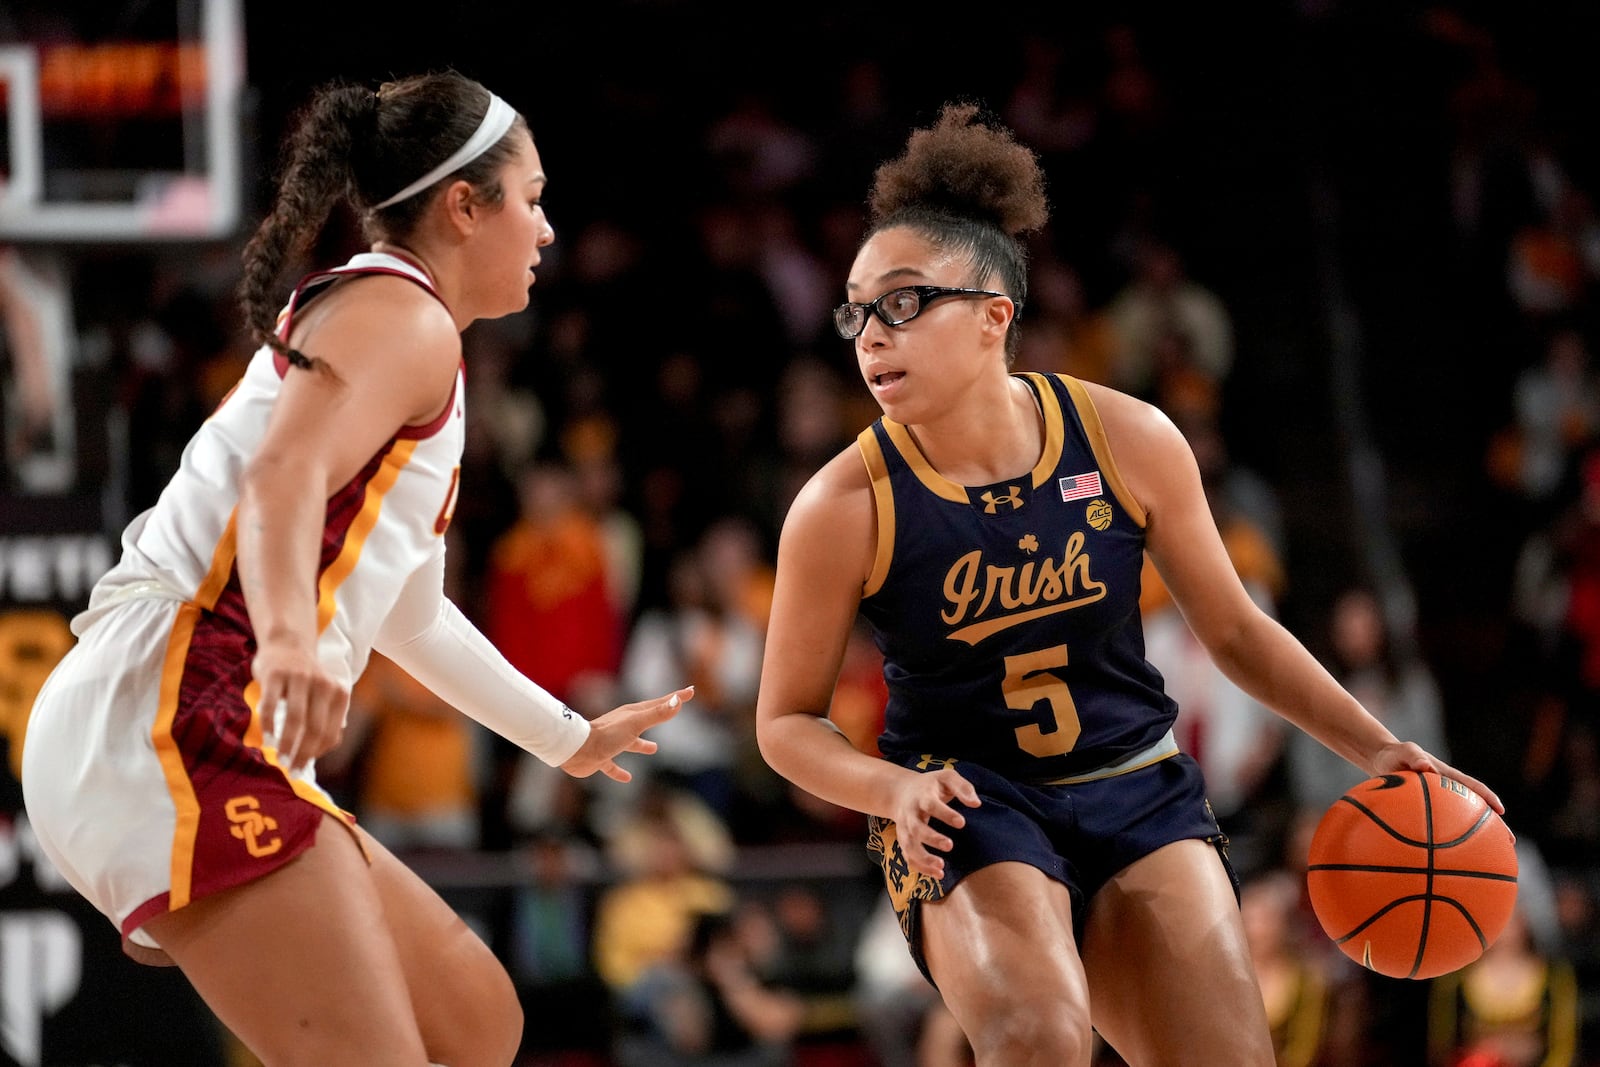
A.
x: 923, y: 798
x: 1409, y: 756
x: 619, y: 731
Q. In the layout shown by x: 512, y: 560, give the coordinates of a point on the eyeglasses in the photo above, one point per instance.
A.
x: 896, y: 307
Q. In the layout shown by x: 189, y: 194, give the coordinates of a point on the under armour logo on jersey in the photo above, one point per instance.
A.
x: 992, y: 502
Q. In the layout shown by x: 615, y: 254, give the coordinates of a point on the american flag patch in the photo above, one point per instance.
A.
x: 1080, y: 485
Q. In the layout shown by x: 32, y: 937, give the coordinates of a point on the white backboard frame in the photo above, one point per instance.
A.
x: 214, y: 208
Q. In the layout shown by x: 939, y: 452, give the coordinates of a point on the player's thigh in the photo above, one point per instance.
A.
x: 1168, y: 967
x: 1001, y: 949
x: 299, y: 963
x: 463, y: 999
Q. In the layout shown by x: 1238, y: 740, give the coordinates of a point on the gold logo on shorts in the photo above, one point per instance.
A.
x: 905, y: 886
x: 1098, y: 513
x: 249, y: 825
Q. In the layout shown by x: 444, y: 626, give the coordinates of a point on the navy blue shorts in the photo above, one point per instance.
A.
x: 1080, y: 834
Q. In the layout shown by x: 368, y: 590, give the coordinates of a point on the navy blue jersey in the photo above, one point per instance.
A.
x: 1008, y: 614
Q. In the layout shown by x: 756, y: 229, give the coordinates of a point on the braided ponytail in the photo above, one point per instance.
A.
x: 316, y: 176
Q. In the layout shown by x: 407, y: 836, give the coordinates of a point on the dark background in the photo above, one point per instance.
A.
x: 1300, y: 155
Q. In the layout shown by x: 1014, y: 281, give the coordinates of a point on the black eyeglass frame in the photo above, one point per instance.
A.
x: 926, y: 294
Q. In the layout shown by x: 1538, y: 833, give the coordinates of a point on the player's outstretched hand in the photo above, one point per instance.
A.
x: 1409, y: 756
x: 619, y: 731
x: 923, y: 798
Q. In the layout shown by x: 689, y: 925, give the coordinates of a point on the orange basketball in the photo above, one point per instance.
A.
x: 1412, y: 875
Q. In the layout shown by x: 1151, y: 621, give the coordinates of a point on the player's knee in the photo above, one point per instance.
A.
x: 484, y: 1027
x: 1023, y: 1034
x: 501, y: 1022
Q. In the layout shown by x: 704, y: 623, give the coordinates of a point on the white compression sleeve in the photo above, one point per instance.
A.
x: 431, y: 640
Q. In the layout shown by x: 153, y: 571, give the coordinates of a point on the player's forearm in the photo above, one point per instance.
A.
x: 431, y: 640
x: 1267, y: 662
x: 463, y: 668
x: 814, y: 755
x: 279, y: 537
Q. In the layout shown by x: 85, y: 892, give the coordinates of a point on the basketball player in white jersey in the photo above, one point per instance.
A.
x: 169, y: 765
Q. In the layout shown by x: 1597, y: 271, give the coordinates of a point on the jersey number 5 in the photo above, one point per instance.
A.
x: 1029, y: 680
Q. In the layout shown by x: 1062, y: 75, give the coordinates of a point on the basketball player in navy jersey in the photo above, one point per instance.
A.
x: 170, y: 758
x: 1052, y: 856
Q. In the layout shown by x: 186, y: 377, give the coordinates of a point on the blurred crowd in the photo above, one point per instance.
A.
x: 638, y: 434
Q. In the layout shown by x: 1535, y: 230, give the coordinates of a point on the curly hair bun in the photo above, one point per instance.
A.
x: 966, y: 164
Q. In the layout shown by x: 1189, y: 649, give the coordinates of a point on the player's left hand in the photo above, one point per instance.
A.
x: 619, y: 731
x: 1410, y: 756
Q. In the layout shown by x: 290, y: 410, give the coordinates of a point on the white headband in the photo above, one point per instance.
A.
x: 496, y: 121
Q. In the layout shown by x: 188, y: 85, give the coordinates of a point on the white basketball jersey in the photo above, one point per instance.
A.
x: 379, y: 528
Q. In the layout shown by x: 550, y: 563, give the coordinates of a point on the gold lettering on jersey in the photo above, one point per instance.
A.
x: 250, y: 826
x: 447, y: 510
x: 992, y: 502
x: 985, y: 599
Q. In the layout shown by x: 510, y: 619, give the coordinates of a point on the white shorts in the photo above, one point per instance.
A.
x: 145, y: 774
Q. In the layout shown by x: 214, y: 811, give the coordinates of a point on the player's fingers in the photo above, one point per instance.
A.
x: 326, y: 721
x: 315, y: 726
x: 676, y: 699
x: 1420, y: 759
x: 929, y: 838
x: 949, y: 816
x: 653, y: 712
x: 1414, y: 757
x: 921, y: 860
x: 267, y: 704
x: 641, y: 744
x: 956, y: 787
x: 617, y: 773
x: 272, y: 709
x: 1476, y: 786
x: 290, y: 713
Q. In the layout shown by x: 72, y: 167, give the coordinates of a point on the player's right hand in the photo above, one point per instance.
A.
x: 619, y: 731
x: 1409, y: 756
x: 922, y: 798
x: 302, y: 707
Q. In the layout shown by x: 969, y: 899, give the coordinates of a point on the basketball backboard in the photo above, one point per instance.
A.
x: 121, y: 126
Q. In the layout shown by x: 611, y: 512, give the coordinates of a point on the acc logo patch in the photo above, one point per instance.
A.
x: 1098, y: 514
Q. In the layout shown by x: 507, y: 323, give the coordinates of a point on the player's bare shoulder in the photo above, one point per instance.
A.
x: 834, y: 513
x: 1149, y: 448
x: 1128, y: 420
x: 376, y: 329
x: 842, y: 483
x: 395, y: 313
